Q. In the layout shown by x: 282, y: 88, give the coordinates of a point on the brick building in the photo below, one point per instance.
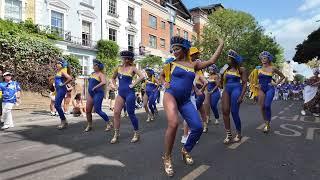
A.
x: 161, y: 19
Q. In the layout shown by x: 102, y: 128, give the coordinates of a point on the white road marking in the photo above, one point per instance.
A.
x: 235, y: 145
x: 310, y: 133
x: 281, y: 112
x: 196, y: 173
x: 286, y: 127
x: 294, y: 118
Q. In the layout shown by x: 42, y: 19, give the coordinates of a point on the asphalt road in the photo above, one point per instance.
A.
x: 35, y: 149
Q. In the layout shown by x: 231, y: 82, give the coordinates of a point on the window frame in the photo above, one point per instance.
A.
x: 156, y: 21
x: 155, y: 42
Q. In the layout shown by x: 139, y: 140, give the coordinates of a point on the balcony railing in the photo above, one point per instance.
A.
x: 85, y: 41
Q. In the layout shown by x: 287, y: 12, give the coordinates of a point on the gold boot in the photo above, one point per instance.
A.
x: 228, y: 139
x: 205, y: 127
x: 186, y: 157
x: 115, y: 138
x: 149, y: 118
x: 88, y: 128
x: 266, y: 128
x: 136, y: 137
x: 167, y: 163
x: 109, y: 126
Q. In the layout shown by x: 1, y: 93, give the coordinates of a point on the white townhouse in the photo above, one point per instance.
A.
x: 122, y: 23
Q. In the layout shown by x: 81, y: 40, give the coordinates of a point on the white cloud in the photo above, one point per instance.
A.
x: 290, y: 32
x: 309, y: 4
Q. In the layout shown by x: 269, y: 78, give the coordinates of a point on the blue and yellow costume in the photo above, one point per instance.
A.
x: 199, y: 98
x: 233, y: 86
x: 265, y: 79
x: 181, y: 80
x: 128, y: 94
x: 215, y: 95
x: 98, y: 94
x: 151, y: 91
x: 61, y: 89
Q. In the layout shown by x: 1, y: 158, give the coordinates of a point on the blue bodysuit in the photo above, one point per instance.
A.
x: 214, y: 97
x: 181, y: 83
x: 61, y: 91
x: 233, y: 87
x: 265, y: 79
x: 97, y: 95
x: 151, y: 91
x: 128, y: 94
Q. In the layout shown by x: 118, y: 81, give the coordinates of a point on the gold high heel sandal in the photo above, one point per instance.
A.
x: 266, y: 128
x: 186, y: 157
x: 115, y: 138
x: 167, y: 163
x: 205, y: 127
x: 136, y: 137
x: 88, y: 128
x: 63, y: 125
x: 109, y: 126
x: 237, y: 138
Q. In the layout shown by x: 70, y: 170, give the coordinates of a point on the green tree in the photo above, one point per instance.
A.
x: 309, y: 49
x: 74, y: 63
x: 299, y: 78
x: 241, y: 33
x: 151, y: 61
x: 314, y: 63
x: 108, y: 54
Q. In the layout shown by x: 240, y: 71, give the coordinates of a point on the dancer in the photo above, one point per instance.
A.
x: 126, y: 95
x: 267, y: 87
x: 150, y: 96
x: 213, y: 91
x: 178, y: 77
x: 96, y: 90
x: 233, y: 94
x: 311, y: 94
x: 62, y: 78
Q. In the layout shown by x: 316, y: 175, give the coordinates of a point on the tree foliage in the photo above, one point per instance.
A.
x: 314, y: 63
x: 30, y: 56
x: 108, y: 54
x: 309, y: 49
x: 74, y: 63
x: 151, y: 62
x: 299, y: 78
x: 241, y: 33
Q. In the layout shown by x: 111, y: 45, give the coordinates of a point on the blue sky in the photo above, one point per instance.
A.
x: 289, y: 21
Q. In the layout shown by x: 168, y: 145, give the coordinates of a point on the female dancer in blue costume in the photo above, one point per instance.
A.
x: 97, y: 81
x: 126, y: 94
x: 150, y: 95
x: 61, y: 79
x: 266, y: 87
x: 179, y: 82
x: 199, y: 88
x: 233, y: 93
x: 213, y: 90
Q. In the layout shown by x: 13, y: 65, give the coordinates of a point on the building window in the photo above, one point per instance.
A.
x: 112, y: 34
x: 153, y: 21
x: 185, y: 35
x: 162, y: 43
x: 87, y: 2
x: 57, y: 23
x: 130, y: 40
x: 152, y: 41
x: 113, y: 7
x: 85, y: 64
x: 130, y: 13
x: 178, y: 32
x: 163, y: 25
x: 86, y: 33
x: 13, y: 10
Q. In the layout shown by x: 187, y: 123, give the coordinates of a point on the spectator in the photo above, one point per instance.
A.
x: 79, y: 108
x: 11, y: 96
x: 52, y: 96
x: 1, y: 80
x: 112, y: 95
x: 67, y: 99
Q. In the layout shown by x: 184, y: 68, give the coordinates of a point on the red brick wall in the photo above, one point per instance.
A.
x: 146, y: 30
